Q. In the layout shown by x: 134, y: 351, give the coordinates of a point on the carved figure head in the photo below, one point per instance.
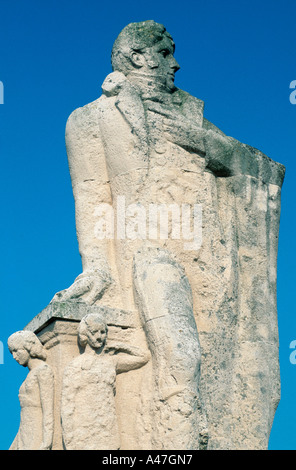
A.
x: 24, y: 345
x: 93, y: 331
x: 146, y: 48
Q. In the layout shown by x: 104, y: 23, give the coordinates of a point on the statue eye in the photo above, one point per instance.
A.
x: 165, y: 52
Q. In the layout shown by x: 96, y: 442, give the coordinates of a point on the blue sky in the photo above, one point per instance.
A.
x: 237, y: 56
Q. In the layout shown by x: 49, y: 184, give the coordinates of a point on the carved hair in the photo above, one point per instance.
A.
x: 135, y: 37
x: 29, y: 341
x: 92, y: 321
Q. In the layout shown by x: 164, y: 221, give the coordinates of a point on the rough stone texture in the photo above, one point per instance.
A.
x: 36, y: 394
x: 206, y: 311
x: 75, y: 311
x: 88, y: 404
x: 57, y: 328
x: 177, y: 413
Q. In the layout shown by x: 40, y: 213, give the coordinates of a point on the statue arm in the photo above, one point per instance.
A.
x: 128, y: 357
x: 226, y: 156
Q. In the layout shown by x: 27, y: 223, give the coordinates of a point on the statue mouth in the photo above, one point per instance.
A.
x: 171, y: 76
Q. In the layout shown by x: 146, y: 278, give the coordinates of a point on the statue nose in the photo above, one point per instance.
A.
x: 175, y: 65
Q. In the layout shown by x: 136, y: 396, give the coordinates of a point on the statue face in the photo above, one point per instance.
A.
x: 159, y: 61
x: 97, y: 335
x: 21, y: 356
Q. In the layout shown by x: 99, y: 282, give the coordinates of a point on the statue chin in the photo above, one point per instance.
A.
x: 170, y: 83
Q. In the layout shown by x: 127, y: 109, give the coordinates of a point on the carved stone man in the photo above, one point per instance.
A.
x: 146, y: 142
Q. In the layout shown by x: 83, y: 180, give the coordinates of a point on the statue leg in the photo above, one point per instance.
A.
x: 163, y: 297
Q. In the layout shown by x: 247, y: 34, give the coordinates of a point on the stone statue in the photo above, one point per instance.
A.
x: 145, y: 144
x: 36, y: 394
x: 88, y: 409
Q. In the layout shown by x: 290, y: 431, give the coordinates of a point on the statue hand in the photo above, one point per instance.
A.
x: 186, y: 134
x: 179, y: 129
x: 88, y: 286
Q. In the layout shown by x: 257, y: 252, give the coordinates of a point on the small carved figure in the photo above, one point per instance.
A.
x: 36, y: 394
x: 88, y: 411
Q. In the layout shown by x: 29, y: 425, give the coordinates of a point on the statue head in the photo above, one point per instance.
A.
x: 93, y: 331
x: 146, y: 48
x: 24, y: 345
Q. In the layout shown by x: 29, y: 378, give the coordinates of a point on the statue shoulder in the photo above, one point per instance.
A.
x: 84, y: 116
x: 87, y: 116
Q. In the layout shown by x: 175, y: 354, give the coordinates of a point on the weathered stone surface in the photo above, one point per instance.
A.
x: 73, y: 310
x: 197, y: 288
x: 146, y: 142
x: 57, y: 328
x: 177, y: 413
x: 36, y: 394
x: 88, y: 409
